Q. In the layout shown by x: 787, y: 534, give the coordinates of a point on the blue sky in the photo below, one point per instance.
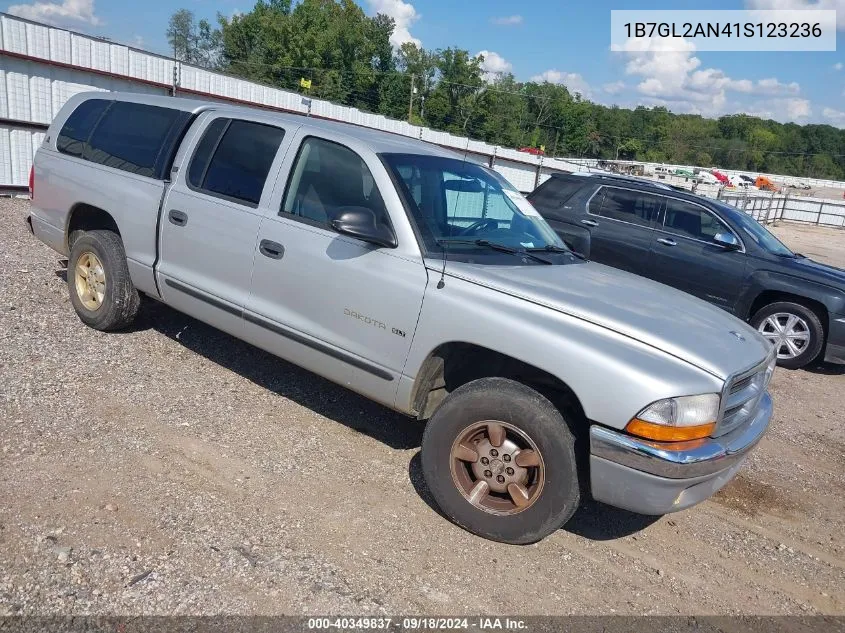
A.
x: 555, y: 41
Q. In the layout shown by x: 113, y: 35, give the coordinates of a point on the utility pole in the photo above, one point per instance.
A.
x: 411, y: 101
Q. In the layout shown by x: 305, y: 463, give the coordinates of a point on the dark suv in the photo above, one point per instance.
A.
x: 709, y: 249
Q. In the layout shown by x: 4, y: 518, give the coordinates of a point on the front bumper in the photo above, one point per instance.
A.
x: 834, y: 352
x: 658, y: 478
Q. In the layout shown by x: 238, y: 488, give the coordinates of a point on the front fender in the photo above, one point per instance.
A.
x: 762, y: 281
x: 613, y: 376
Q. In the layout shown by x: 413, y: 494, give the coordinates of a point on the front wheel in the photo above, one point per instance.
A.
x: 499, y: 459
x: 794, y: 330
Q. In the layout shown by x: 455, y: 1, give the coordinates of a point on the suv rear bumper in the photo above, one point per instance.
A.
x: 658, y: 478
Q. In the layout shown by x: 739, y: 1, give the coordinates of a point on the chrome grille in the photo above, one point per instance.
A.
x: 742, y: 397
x: 739, y: 385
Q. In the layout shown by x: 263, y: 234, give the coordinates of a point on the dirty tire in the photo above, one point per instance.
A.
x: 813, y: 349
x: 121, y: 301
x: 522, y: 407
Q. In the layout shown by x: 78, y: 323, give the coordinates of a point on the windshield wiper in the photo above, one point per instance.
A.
x: 495, y: 246
x: 551, y: 248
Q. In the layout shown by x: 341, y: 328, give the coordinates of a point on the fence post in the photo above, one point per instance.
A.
x: 769, y: 208
x: 537, y: 174
x: 819, y: 216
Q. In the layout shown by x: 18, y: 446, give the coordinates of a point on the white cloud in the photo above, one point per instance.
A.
x: 793, y: 5
x: 507, y: 20
x: 773, y: 86
x: 404, y: 14
x: 614, y: 88
x: 835, y: 117
x: 573, y: 81
x: 138, y: 41
x: 677, y: 80
x: 66, y: 13
x: 797, y: 108
x: 837, y: 66
x: 493, y: 65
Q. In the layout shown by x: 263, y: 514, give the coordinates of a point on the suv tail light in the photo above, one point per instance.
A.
x: 32, y: 183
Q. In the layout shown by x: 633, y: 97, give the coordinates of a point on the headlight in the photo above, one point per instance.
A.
x: 677, y: 419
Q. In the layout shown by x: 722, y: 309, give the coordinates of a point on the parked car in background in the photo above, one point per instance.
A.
x: 740, y: 183
x: 706, y: 177
x: 722, y: 178
x: 419, y: 279
x: 764, y: 184
x: 706, y: 248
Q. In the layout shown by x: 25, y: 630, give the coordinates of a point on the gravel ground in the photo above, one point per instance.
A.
x: 174, y: 469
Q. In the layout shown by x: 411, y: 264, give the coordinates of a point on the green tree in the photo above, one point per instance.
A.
x: 348, y: 57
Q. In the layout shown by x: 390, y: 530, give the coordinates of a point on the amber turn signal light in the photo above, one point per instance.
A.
x: 666, y: 433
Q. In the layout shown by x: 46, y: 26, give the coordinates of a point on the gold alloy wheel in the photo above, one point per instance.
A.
x: 497, y: 467
x: 90, y: 281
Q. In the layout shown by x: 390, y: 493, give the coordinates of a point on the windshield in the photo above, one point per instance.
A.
x: 752, y: 228
x: 465, y: 207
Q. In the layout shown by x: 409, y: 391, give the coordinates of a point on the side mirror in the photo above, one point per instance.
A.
x: 361, y: 223
x: 728, y: 240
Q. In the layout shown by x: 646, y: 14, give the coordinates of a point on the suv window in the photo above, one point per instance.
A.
x: 626, y: 205
x: 326, y: 177
x: 240, y: 162
x: 132, y: 137
x: 691, y: 220
x: 79, y: 125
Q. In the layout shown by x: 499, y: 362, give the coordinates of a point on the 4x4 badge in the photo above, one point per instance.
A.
x: 738, y: 335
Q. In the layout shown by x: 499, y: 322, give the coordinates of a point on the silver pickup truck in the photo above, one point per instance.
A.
x: 418, y: 278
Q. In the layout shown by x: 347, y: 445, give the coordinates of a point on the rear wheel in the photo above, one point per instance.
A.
x: 98, y: 279
x: 794, y: 330
x: 499, y: 459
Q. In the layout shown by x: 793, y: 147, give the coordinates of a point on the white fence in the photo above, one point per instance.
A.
x: 768, y: 208
x: 780, y: 179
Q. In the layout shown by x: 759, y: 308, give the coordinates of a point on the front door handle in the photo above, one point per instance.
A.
x: 177, y: 217
x: 667, y: 241
x: 273, y: 250
x: 589, y: 222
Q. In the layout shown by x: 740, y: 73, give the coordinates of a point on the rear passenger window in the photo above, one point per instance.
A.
x: 627, y: 205
x: 202, y: 155
x: 240, y: 163
x: 690, y: 220
x: 555, y: 191
x: 76, y: 130
x: 132, y: 137
x: 326, y: 177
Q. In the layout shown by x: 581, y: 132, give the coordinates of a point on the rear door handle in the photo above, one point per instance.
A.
x: 177, y: 217
x: 667, y: 241
x: 273, y: 250
x: 589, y: 222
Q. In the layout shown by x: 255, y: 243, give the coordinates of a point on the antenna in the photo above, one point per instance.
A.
x: 442, y: 282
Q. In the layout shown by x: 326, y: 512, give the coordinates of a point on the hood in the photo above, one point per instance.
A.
x: 662, y: 317
x: 815, y: 271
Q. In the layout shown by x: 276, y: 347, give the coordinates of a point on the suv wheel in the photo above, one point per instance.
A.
x: 499, y: 459
x: 98, y: 279
x: 794, y: 330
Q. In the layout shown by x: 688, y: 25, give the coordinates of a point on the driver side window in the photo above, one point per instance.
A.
x: 327, y: 177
